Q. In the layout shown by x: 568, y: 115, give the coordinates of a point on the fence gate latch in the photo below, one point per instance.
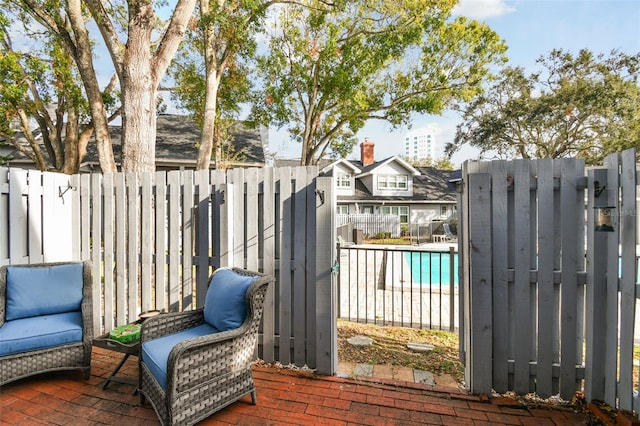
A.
x: 63, y: 190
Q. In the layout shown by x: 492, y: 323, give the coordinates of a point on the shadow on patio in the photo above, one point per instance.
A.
x: 284, y: 397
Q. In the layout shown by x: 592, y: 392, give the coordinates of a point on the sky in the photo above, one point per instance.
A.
x: 530, y: 28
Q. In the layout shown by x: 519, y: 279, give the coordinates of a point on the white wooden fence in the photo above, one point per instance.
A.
x: 154, y: 242
x: 372, y: 225
x: 549, y: 302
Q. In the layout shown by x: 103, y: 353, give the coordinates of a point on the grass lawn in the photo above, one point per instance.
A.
x: 390, y: 347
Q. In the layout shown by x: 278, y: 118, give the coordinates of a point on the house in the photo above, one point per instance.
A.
x: 421, y: 197
x: 177, y: 138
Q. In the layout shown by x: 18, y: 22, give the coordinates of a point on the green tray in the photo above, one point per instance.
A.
x: 127, y: 333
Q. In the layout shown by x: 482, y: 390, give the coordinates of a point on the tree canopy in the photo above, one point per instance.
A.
x: 584, y: 106
x: 329, y: 70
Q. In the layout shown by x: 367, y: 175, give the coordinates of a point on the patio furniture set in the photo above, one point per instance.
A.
x: 191, y: 364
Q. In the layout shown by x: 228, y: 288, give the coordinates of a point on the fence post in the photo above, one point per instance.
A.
x: 452, y: 289
x: 325, y: 280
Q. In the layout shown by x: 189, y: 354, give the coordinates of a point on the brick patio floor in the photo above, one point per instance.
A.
x: 285, y: 397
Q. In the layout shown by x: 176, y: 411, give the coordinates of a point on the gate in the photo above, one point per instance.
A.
x: 549, y: 277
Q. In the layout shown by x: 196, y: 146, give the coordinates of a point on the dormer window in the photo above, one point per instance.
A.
x: 343, y: 180
x: 394, y: 182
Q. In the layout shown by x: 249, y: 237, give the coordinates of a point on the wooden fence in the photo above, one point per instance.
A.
x: 155, y: 241
x: 372, y: 225
x: 549, y: 300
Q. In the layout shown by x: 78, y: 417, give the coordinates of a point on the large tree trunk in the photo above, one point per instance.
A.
x: 138, y: 93
x: 84, y: 60
x: 211, y: 96
x: 140, y: 72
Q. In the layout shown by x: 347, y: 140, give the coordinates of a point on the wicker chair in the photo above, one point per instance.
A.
x: 45, y: 319
x: 195, y: 363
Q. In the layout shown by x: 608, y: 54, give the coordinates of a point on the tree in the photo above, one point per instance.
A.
x: 210, y: 70
x: 582, y: 106
x: 442, y: 163
x: 328, y: 71
x: 60, y: 68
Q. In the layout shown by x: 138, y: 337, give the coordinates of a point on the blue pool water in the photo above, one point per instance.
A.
x: 431, y: 267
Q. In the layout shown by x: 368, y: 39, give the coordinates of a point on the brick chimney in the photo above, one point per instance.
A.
x: 366, y: 152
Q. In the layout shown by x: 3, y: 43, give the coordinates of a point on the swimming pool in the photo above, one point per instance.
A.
x: 429, y: 267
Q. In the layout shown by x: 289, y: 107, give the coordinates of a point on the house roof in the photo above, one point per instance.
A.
x: 176, y: 139
x: 430, y: 185
x: 369, y: 169
x: 294, y: 162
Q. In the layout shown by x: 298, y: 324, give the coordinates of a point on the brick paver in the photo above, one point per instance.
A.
x: 285, y: 397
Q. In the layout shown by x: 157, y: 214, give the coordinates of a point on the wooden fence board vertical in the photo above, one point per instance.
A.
x: 628, y: 297
x: 109, y: 250
x: 569, y: 280
x: 313, y: 200
x: 133, y: 245
x: 225, y: 205
x: 77, y: 218
x: 283, y: 177
x: 187, y: 239
x: 39, y: 193
x: 610, y: 323
x: 500, y: 294
x: 203, y: 237
x: 4, y: 224
x: 521, y: 188
x: 146, y: 238
x: 161, y: 240
x: 18, y: 217
x: 545, y: 268
x: 83, y: 183
x: 325, y: 285
x: 299, y: 265
x: 268, y: 261
x: 120, y: 205
x: 220, y: 236
x: 236, y: 177
x: 557, y: 266
x: 96, y: 253
x: 174, y: 233
x: 597, y: 305
x: 251, y: 220
x: 481, y: 339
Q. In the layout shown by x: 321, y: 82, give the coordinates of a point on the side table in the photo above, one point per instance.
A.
x: 127, y: 349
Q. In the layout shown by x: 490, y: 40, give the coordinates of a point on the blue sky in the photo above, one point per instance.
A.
x: 531, y: 28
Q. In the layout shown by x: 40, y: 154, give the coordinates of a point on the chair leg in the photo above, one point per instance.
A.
x: 254, y: 398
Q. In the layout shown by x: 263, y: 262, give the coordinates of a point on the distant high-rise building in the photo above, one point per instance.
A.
x: 420, y: 144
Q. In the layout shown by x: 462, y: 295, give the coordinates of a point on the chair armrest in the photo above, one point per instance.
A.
x: 170, y: 323
x: 209, y: 356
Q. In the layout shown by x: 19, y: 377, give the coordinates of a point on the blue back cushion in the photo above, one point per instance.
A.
x: 38, y: 290
x: 225, y: 307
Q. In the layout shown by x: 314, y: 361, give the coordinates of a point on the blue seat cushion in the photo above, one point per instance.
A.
x: 34, y: 333
x: 43, y: 290
x: 155, y: 353
x: 225, y: 306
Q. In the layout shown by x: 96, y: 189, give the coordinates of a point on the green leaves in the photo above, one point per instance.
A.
x: 328, y: 71
x: 584, y: 106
